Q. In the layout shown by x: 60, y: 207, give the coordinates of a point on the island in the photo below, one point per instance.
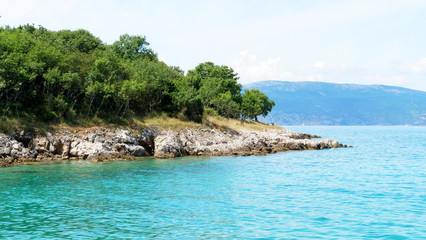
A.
x: 68, y: 95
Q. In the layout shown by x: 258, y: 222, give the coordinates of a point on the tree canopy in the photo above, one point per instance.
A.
x: 217, y: 87
x: 255, y: 103
x: 63, y: 75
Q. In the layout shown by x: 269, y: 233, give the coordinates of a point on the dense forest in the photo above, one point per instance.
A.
x: 55, y: 76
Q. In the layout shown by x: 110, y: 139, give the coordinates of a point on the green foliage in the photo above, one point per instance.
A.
x: 225, y: 105
x: 188, y: 99
x: 62, y: 75
x: 217, y: 87
x: 80, y: 40
x: 133, y: 47
x: 255, y: 103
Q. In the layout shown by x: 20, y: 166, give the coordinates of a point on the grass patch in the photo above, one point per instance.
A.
x: 159, y: 120
x: 163, y: 121
x: 9, y: 125
x: 236, y: 124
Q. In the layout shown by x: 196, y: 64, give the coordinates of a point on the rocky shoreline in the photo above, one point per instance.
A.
x: 102, y: 144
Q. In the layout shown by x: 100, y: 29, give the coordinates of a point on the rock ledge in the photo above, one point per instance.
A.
x: 115, y: 144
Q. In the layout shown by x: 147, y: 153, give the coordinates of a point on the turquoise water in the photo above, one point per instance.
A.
x: 376, y: 190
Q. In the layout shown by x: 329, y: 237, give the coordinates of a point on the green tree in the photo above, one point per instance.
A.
x: 255, y: 103
x: 80, y: 40
x: 225, y: 106
x: 218, y: 79
x: 15, y: 70
x: 57, y: 75
x: 133, y: 47
x: 159, y: 80
x: 187, y: 98
x: 103, y: 84
x: 217, y: 87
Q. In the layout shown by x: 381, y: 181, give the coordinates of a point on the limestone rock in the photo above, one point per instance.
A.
x: 101, y: 144
x: 168, y: 145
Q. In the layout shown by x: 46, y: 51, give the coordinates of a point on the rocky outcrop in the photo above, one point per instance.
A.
x: 94, y: 145
x: 168, y: 145
x: 107, y: 144
x: 210, y: 142
x: 12, y: 151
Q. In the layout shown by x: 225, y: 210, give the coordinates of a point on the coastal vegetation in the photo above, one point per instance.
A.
x: 73, y: 77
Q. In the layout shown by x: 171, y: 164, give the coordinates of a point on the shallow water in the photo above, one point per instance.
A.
x: 375, y: 190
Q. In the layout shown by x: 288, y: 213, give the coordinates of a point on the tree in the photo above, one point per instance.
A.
x: 80, y: 40
x: 103, y: 83
x: 59, y: 75
x: 217, y: 87
x: 133, y: 47
x: 225, y: 106
x: 220, y: 79
x: 187, y: 98
x: 255, y: 103
x: 159, y: 80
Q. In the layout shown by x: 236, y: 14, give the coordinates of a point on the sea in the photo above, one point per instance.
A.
x: 374, y: 190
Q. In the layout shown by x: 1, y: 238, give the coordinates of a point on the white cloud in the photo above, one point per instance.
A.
x: 319, y: 65
x: 251, y: 69
x: 420, y: 66
x: 328, y: 66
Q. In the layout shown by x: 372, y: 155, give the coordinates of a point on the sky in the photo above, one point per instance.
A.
x: 356, y: 41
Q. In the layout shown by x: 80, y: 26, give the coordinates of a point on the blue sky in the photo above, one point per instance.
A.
x: 362, y: 41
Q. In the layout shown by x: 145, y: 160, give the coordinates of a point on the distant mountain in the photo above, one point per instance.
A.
x: 320, y: 103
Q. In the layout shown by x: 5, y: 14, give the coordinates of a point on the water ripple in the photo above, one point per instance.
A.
x: 375, y: 190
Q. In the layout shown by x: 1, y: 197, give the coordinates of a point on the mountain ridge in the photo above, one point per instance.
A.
x: 323, y: 103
